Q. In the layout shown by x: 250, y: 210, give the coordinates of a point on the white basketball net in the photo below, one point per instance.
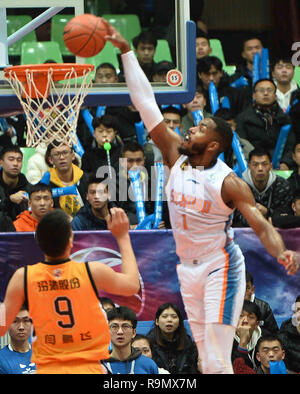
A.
x: 53, y: 117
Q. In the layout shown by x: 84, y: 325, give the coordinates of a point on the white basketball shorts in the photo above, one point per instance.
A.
x: 213, y: 288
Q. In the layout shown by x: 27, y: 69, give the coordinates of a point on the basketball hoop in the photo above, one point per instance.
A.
x: 51, y: 113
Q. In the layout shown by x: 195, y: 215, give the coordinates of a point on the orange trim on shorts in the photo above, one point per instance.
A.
x: 224, y: 286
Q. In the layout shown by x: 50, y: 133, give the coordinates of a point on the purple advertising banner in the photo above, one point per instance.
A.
x: 157, y: 260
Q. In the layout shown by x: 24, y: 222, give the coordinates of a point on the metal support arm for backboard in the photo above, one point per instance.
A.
x: 5, y: 41
x: 119, y: 96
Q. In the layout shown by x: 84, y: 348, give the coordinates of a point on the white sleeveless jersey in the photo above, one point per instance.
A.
x: 199, y: 217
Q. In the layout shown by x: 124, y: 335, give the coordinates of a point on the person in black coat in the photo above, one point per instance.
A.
x: 210, y: 68
x: 294, y: 178
x: 13, y: 183
x: 260, y: 123
x: 105, y: 129
x: 92, y: 216
x: 289, y: 215
x: 290, y: 335
x: 244, y: 69
x: 133, y: 158
x: 270, y: 191
x: 145, y: 45
x: 247, y: 335
x: 267, y: 319
x: 172, y: 348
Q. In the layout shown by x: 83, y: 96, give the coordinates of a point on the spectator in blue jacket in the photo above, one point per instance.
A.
x: 15, y: 358
x: 92, y: 215
x: 125, y: 359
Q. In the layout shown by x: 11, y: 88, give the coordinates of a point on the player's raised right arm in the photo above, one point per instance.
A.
x: 143, y: 99
x: 126, y: 282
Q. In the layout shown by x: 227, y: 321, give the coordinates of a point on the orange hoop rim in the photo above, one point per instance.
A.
x: 35, y: 78
x: 59, y: 70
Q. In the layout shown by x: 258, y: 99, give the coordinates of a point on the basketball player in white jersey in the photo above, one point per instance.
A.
x: 202, y: 194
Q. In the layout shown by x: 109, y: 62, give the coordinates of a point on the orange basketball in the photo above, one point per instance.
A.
x: 84, y: 35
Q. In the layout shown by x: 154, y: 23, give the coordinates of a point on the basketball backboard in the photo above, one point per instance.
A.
x: 112, y: 94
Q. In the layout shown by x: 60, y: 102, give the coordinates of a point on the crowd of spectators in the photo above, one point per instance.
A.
x: 257, y: 113
x: 167, y: 347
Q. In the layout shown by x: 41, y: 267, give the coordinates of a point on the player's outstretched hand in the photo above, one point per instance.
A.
x: 289, y: 260
x: 116, y: 38
x: 117, y: 222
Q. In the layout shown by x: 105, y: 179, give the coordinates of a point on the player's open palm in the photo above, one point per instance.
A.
x: 117, y: 222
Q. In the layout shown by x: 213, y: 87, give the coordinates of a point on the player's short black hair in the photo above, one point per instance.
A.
x: 122, y: 313
x: 53, y: 232
x: 225, y: 133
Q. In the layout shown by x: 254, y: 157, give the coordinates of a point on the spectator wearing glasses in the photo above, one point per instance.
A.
x: 124, y: 359
x: 65, y: 173
x: 260, y: 123
x: 15, y: 358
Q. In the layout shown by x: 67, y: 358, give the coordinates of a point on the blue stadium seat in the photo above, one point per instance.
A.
x: 143, y: 327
